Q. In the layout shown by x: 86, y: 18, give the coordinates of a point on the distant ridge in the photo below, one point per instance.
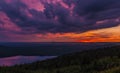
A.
x: 48, y: 49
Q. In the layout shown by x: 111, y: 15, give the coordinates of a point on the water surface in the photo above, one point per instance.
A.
x: 16, y: 60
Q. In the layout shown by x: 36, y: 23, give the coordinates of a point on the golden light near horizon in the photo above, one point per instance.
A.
x: 101, y: 35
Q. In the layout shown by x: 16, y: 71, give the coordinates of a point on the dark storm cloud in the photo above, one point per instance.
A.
x: 84, y: 7
x: 13, y: 10
x: 58, y: 19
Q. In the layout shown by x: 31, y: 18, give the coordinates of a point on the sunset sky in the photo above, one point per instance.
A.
x: 59, y: 20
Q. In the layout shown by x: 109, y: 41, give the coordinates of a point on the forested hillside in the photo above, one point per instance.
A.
x: 105, y: 60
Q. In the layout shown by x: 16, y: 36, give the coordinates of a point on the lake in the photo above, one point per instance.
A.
x: 16, y: 60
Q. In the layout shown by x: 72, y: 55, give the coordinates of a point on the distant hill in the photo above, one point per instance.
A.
x: 47, y: 49
x: 105, y: 60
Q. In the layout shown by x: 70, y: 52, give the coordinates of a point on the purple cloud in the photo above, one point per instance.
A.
x: 62, y: 16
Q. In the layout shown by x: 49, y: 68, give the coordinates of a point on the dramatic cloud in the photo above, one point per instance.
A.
x: 22, y: 17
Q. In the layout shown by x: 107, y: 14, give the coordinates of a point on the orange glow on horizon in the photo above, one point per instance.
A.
x: 102, y: 35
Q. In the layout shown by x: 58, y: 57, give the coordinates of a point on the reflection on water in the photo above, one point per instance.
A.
x: 10, y: 61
